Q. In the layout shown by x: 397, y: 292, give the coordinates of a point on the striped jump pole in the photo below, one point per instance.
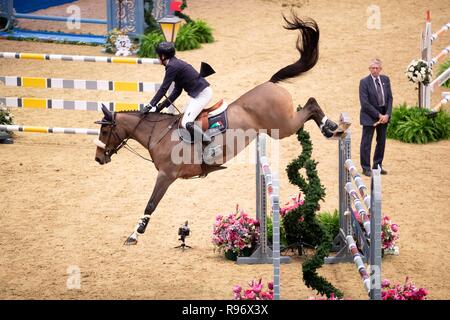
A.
x: 57, y: 83
x: 445, y: 100
x: 44, y: 103
x: 79, y: 58
x: 441, y: 54
x: 428, y: 39
x: 367, y: 248
x: 36, y: 129
x: 267, y: 182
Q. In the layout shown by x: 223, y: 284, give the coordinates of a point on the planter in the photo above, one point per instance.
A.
x: 231, y: 255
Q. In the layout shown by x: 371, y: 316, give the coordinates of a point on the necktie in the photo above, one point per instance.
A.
x: 379, y: 93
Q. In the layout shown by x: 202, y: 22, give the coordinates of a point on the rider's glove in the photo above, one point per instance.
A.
x: 149, y: 108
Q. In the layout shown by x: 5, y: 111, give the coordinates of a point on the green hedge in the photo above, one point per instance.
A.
x: 416, y: 125
x: 190, y: 36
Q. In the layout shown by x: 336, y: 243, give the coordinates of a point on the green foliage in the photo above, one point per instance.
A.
x: 149, y: 43
x: 190, y: 36
x: 443, y: 67
x: 330, y: 222
x: 203, y: 32
x: 181, y: 15
x: 5, y: 116
x: 302, y: 225
x: 187, y: 38
x: 283, y: 240
x: 415, y: 125
x: 152, y: 24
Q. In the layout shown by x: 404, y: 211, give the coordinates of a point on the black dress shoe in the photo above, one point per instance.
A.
x: 367, y: 173
x: 383, y: 171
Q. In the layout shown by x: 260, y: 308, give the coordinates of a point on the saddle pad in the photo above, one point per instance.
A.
x: 217, y: 124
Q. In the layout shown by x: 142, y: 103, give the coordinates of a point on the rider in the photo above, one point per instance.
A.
x: 187, y: 78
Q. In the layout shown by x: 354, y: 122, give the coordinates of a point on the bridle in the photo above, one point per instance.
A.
x: 112, y: 132
x: 123, y: 143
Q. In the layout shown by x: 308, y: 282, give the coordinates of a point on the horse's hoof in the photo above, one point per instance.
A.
x: 130, y: 241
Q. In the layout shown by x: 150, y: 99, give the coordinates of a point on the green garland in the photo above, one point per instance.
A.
x: 181, y: 15
x: 301, y: 224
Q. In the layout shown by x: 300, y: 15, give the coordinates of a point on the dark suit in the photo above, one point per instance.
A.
x: 184, y: 76
x: 369, y: 115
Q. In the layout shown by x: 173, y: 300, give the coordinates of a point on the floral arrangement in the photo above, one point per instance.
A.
x: 235, y: 232
x: 389, y: 235
x: 292, y: 204
x: 418, y: 71
x: 5, y: 116
x: 406, y: 292
x: 255, y: 292
x: 114, y: 40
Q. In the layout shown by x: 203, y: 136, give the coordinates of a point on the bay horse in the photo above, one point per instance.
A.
x: 267, y: 107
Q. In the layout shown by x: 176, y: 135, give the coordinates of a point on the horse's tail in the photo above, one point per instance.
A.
x: 308, y: 48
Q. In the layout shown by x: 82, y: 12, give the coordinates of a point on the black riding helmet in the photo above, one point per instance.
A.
x: 165, y: 48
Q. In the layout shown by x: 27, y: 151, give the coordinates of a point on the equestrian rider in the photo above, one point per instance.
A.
x: 187, y: 78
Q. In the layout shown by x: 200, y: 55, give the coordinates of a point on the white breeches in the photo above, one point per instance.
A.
x: 196, y: 105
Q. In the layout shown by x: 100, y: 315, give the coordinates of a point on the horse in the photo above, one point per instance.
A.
x: 267, y: 107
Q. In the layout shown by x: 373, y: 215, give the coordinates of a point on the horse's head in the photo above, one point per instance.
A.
x: 111, y: 137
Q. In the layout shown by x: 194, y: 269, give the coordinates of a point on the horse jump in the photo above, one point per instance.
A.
x: 427, y: 40
x: 45, y: 103
x: 367, y: 247
x: 50, y: 103
x: 267, y: 181
x: 267, y: 107
x: 37, y: 129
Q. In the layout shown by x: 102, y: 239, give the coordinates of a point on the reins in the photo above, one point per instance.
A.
x: 125, y: 140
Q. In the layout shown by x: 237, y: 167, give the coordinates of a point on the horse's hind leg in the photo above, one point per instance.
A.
x: 312, y: 110
x: 163, y: 181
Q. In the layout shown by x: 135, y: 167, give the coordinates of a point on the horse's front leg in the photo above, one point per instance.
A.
x: 329, y: 129
x: 163, y: 181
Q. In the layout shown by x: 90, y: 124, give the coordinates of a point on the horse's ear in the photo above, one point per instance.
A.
x: 107, y: 113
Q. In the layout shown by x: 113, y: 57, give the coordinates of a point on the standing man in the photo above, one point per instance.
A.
x: 375, y: 97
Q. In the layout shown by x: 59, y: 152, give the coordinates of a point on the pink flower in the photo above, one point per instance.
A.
x: 394, y: 227
x: 257, y: 288
x: 385, y: 283
x: 408, y: 291
x: 250, y: 295
x: 270, y: 285
x: 237, y: 289
x: 255, y: 293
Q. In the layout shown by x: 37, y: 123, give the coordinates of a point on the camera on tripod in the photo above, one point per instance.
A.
x: 183, y: 231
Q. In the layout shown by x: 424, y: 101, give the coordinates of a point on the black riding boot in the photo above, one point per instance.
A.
x: 197, y: 131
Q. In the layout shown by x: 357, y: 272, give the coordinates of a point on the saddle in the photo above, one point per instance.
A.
x: 212, y: 120
x: 212, y: 116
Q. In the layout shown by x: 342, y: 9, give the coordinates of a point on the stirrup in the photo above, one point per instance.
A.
x: 193, y: 129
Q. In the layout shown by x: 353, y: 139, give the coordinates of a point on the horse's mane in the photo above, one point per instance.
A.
x: 151, y: 115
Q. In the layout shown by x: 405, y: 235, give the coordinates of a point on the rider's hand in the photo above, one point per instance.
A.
x: 149, y: 108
